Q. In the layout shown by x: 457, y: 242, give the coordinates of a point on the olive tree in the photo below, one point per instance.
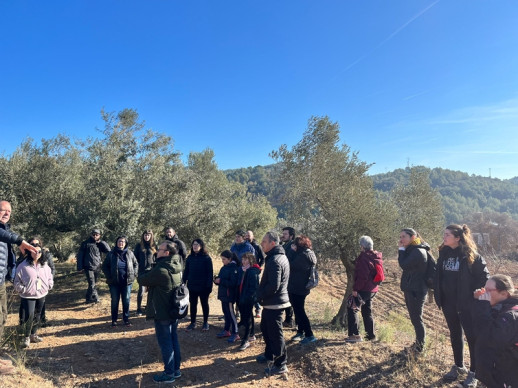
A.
x: 330, y: 196
x: 419, y: 206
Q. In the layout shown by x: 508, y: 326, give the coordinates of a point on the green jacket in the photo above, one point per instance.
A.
x: 161, y: 285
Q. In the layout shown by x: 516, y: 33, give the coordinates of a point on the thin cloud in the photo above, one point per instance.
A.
x: 503, y: 114
x: 412, y: 96
x: 388, y: 38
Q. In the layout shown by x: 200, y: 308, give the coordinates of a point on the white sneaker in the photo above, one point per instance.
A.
x: 26, y: 342
x: 353, y: 339
x: 454, y: 373
x: 471, y: 381
x: 35, y: 338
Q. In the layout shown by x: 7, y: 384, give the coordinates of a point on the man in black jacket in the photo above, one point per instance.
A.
x: 287, y: 238
x: 89, y: 260
x: 7, y: 262
x: 259, y: 254
x: 170, y: 235
x: 273, y: 296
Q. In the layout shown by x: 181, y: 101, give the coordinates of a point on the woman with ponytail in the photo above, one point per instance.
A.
x: 412, y: 259
x: 460, y: 271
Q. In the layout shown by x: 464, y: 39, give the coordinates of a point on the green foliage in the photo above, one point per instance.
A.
x: 419, y: 206
x: 330, y: 197
x: 124, y: 181
x: 461, y: 194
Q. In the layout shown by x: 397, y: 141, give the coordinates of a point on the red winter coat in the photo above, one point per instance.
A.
x: 365, y: 271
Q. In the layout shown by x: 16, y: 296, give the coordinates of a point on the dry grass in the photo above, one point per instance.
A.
x: 80, y: 350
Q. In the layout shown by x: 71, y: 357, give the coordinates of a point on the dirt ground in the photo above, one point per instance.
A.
x: 81, y: 349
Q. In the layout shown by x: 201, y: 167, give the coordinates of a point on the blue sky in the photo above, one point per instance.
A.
x: 416, y: 82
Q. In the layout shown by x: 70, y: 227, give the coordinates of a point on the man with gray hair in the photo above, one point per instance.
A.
x: 273, y: 296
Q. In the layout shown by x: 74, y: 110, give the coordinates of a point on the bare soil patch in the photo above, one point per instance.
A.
x: 81, y: 349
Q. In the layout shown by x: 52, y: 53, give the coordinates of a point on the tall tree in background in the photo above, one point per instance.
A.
x: 218, y: 207
x: 419, y: 207
x: 331, y: 198
x: 43, y: 182
x: 124, y: 181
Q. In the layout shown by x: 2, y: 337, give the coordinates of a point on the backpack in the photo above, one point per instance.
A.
x: 179, y: 301
x: 379, y: 273
x: 313, y: 278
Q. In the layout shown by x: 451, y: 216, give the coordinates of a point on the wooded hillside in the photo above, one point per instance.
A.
x: 461, y: 194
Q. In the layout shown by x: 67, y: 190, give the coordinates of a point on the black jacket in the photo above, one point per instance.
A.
x: 470, y: 278
x: 290, y: 253
x: 89, y: 255
x: 198, y: 273
x: 300, y: 270
x: 248, y: 285
x: 182, y: 250
x: 412, y: 261
x: 7, y: 256
x: 228, y: 282
x: 145, y: 257
x: 259, y: 254
x: 111, y: 269
x: 496, y: 349
x: 273, y: 289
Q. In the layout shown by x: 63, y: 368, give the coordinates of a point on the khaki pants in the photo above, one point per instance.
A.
x: 3, y: 309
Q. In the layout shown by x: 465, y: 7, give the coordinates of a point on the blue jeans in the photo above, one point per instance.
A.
x: 167, y: 338
x: 117, y: 293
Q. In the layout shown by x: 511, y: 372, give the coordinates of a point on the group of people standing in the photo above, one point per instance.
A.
x: 280, y: 290
x: 484, y: 308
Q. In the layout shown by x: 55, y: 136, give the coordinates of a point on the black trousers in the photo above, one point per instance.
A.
x: 353, y: 321
x: 204, y: 301
x: 31, y: 314
x: 414, y: 304
x: 459, y: 323
x: 271, y: 326
x: 91, y: 278
x: 247, y: 319
x: 289, y: 315
x: 301, y: 318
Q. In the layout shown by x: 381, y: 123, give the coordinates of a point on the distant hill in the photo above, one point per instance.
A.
x: 462, y: 194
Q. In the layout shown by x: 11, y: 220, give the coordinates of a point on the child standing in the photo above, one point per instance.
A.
x: 248, y: 285
x: 227, y: 280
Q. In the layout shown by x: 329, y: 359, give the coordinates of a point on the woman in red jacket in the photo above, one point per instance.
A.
x: 365, y: 288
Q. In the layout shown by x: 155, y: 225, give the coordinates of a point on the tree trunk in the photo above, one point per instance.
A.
x: 340, y: 319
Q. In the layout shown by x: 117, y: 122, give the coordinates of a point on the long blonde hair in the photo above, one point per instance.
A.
x: 467, y: 245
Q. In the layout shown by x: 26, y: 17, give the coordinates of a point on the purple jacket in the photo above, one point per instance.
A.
x: 33, y: 282
x: 365, y: 271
